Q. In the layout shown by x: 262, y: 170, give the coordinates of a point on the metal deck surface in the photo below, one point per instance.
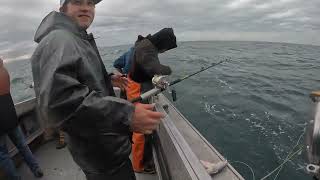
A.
x: 59, y: 165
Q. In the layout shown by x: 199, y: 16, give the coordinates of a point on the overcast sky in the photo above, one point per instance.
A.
x: 120, y: 21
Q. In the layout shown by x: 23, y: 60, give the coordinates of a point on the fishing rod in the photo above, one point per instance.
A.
x: 161, y: 84
x: 201, y: 70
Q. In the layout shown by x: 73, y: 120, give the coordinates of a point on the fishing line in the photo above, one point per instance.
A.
x: 284, y: 162
x: 297, y: 143
x: 289, y: 157
x: 252, y: 172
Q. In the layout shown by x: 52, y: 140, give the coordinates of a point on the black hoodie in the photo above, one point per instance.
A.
x: 146, y: 63
x: 164, y: 39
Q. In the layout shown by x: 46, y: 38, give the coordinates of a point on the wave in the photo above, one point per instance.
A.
x: 18, y: 58
x: 283, y: 54
x: 18, y: 80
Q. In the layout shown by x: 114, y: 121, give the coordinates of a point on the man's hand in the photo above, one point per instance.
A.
x: 145, y: 120
x: 119, y: 81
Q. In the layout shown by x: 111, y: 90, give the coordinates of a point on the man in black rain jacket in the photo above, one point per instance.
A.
x: 74, y: 91
x: 146, y: 62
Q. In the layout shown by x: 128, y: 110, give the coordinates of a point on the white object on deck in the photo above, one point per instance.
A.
x: 214, y: 168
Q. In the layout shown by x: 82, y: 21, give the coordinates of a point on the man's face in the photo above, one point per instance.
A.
x: 81, y: 11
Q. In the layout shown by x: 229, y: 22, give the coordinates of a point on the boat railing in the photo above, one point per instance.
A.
x: 29, y: 122
x: 179, y: 147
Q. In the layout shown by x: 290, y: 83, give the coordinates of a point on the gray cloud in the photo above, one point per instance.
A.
x: 119, y: 22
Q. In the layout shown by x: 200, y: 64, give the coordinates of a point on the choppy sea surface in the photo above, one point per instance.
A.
x: 252, y: 109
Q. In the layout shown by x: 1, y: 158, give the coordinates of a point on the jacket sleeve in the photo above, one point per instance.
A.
x: 148, y: 60
x: 64, y: 97
x: 120, y: 62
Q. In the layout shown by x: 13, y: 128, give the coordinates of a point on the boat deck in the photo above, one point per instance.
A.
x: 59, y: 165
x: 178, y: 149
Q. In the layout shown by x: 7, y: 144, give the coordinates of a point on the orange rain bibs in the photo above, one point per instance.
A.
x: 134, y: 91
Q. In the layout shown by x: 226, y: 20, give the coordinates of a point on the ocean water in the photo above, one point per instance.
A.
x: 252, y: 109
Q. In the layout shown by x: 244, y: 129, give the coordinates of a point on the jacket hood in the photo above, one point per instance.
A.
x: 164, y: 39
x: 53, y: 21
x: 62, y: 2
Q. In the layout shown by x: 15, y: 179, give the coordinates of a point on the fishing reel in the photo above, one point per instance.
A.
x: 162, y: 83
x: 313, y: 138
